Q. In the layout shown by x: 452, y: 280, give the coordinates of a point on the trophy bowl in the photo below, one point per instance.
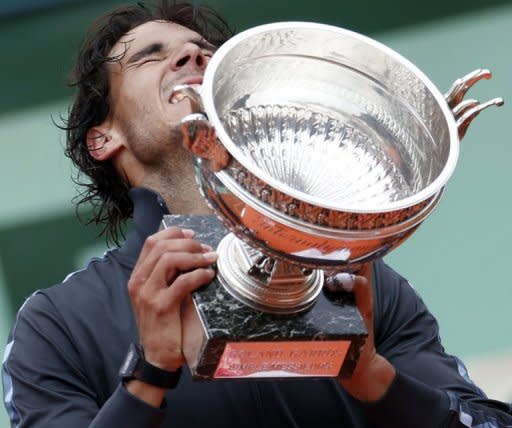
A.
x: 320, y: 150
x: 330, y: 148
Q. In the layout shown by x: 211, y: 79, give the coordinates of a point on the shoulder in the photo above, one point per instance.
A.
x: 72, y: 331
x: 82, y: 300
x: 107, y: 268
x: 397, y: 305
x: 391, y: 288
x: 75, y: 324
x: 100, y: 281
x: 38, y: 331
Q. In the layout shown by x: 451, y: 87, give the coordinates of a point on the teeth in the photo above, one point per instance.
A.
x: 179, y: 96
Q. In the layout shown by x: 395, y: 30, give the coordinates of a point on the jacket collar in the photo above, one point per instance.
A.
x: 148, y: 210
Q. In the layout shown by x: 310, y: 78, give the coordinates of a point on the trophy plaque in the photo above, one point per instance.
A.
x: 319, y: 150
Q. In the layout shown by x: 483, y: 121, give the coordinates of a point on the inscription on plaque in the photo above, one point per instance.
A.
x: 282, y: 359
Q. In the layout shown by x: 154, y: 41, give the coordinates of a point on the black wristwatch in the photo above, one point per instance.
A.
x: 136, y: 367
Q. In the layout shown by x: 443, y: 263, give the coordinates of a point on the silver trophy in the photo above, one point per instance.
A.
x: 319, y: 149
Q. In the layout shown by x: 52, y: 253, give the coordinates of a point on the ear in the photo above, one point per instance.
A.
x: 101, y: 143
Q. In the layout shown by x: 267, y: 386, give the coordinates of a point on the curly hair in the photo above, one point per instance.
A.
x: 102, y: 188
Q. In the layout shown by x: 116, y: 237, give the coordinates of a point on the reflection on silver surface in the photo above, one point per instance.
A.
x: 321, y: 157
x: 339, y: 147
x: 354, y: 82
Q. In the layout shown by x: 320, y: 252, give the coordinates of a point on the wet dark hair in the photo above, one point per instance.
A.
x: 102, y: 188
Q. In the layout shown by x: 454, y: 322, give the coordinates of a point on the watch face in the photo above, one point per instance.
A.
x: 130, y: 362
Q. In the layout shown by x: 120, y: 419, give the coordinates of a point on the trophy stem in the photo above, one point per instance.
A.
x: 264, y: 283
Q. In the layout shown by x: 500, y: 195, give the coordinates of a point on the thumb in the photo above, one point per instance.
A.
x: 360, y: 284
x: 344, y: 282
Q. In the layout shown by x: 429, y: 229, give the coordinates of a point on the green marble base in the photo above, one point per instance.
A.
x: 224, y: 338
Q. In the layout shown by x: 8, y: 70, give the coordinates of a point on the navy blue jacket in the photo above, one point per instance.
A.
x: 68, y: 342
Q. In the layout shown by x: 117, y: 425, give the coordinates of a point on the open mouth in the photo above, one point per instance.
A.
x: 178, y: 95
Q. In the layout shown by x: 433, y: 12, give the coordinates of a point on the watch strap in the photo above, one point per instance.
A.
x: 135, y: 366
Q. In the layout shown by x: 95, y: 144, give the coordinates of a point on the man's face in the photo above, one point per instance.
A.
x: 157, y: 55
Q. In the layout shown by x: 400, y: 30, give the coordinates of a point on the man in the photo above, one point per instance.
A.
x: 69, y: 341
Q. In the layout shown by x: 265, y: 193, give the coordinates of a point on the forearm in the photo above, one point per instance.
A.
x: 393, y: 400
x: 411, y: 403
x: 150, y: 394
x: 431, y: 388
x: 127, y: 410
x: 408, y: 403
x: 370, y: 382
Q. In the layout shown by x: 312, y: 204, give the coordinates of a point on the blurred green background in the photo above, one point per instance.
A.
x: 457, y: 260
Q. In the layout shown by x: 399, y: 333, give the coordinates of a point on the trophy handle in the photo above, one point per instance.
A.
x: 465, y: 111
x: 200, y: 139
x: 469, y: 114
x: 198, y: 135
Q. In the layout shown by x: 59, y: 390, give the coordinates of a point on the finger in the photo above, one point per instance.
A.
x: 363, y: 293
x: 360, y: 284
x: 170, y: 265
x: 341, y: 282
x: 164, y: 246
x: 188, y: 233
x: 366, y: 270
x: 156, y: 248
x: 186, y: 283
x: 170, y: 233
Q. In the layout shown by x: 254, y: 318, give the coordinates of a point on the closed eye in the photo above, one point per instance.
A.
x: 146, y: 60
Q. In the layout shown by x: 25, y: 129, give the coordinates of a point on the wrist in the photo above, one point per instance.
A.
x: 370, y: 382
x: 136, y: 367
x: 150, y: 394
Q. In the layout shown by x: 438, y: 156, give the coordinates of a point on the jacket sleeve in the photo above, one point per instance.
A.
x: 44, y: 385
x: 432, y: 388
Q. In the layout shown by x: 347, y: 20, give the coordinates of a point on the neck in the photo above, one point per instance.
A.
x: 184, y: 197
x: 177, y: 185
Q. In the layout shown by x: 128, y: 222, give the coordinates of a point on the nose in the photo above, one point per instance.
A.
x: 190, y: 55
